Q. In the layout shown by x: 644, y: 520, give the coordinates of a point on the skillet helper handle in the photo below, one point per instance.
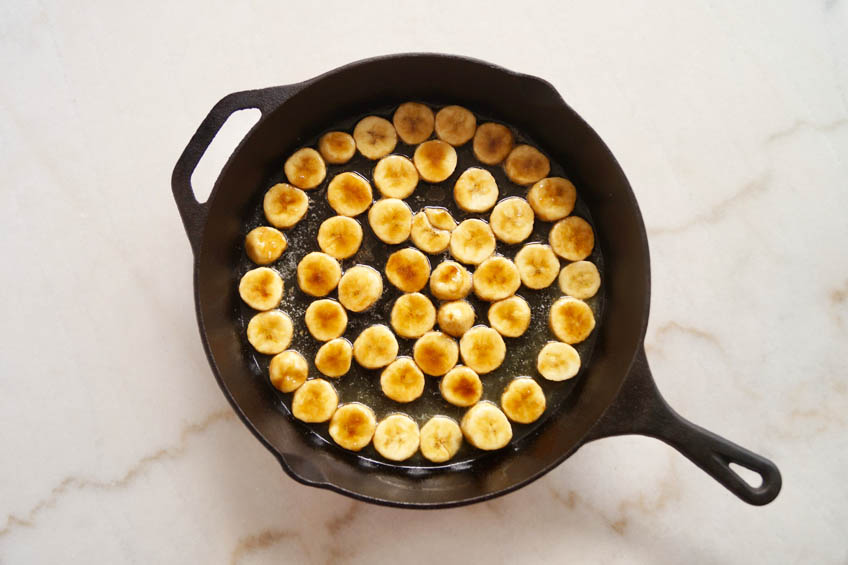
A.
x: 641, y: 409
x: 194, y: 213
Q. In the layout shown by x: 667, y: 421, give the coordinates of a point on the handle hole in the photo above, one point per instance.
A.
x: 753, y: 478
x: 216, y: 155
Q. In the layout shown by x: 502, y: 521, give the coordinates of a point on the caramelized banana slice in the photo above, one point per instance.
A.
x: 440, y: 439
x: 440, y: 218
x: 572, y: 238
x: 492, y: 143
x: 288, y: 371
x: 264, y: 245
x: 391, y: 220
x: 558, y: 361
x: 461, y: 386
x: 472, y: 242
x: 435, y: 353
x: 580, y: 280
x: 450, y: 281
x: 397, y: 437
x: 375, y: 137
x: 395, y: 176
x: 512, y: 220
x: 510, y: 317
x: 413, y: 122
x: 334, y: 357
x: 305, y: 168
x: 352, y: 426
x: 261, y: 288
x: 485, y: 427
x: 435, y: 160
x: 340, y: 237
x: 315, y: 401
x: 526, y: 165
x: 483, y: 349
x: 270, y: 332
x: 552, y: 198
x: 571, y: 320
x: 375, y: 347
x: 475, y: 190
x: 360, y: 287
x: 408, y: 269
x: 413, y: 315
x: 455, y: 125
x: 496, y: 278
x: 337, y: 147
x: 284, y: 205
x: 402, y: 380
x: 456, y: 317
x: 349, y: 194
x: 523, y: 400
x: 538, y: 265
x: 426, y: 237
x: 325, y: 319
x: 318, y: 274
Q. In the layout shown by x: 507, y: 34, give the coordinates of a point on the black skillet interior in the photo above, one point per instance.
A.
x: 290, y: 115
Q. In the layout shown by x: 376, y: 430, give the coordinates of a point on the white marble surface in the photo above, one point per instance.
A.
x: 731, y: 121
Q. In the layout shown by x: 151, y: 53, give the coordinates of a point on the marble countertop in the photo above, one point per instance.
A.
x: 731, y: 121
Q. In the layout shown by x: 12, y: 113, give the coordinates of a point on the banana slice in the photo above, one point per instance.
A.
x: 375, y: 347
x: 261, y: 288
x: 315, y: 401
x: 408, y: 269
x: 391, y: 220
x: 334, y: 357
x: 352, y: 426
x: 512, y: 220
x: 558, y: 361
x: 337, y: 147
x: 413, y: 122
x: 288, y: 370
x: 440, y: 218
x: 538, y: 265
x: 523, y: 400
x: 349, y: 194
x: 492, y: 143
x: 270, y: 332
x: 426, y: 237
x: 526, y: 165
x: 475, y: 190
x: 318, y: 274
x: 483, y: 349
x: 435, y: 160
x: 395, y: 176
x: 450, y: 281
x: 360, y: 287
x: 472, y: 242
x: 440, y: 439
x: 461, y: 386
x: 264, y: 245
x: 284, y: 205
x: 456, y: 317
x: 455, y: 124
x: 435, y: 353
x: 485, y: 427
x: 375, y: 137
x: 496, y: 278
x: 572, y: 238
x: 305, y: 168
x: 552, y: 198
x: 340, y: 237
x: 571, y: 320
x: 397, y: 437
x: 510, y: 317
x: 580, y: 280
x: 413, y: 315
x: 325, y: 319
x: 402, y: 380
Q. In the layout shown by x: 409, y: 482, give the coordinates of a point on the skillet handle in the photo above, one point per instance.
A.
x: 194, y: 213
x: 641, y: 409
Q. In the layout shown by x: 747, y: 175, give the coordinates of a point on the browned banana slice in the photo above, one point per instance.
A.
x: 402, y: 380
x: 455, y: 125
x: 349, y: 194
x: 456, y: 317
x: 572, y: 238
x: 375, y: 137
x: 352, y: 426
x: 510, y: 317
x: 496, y: 278
x: 360, y: 287
x: 512, y: 220
x: 552, y: 198
x: 408, y: 269
x: 337, y: 147
x: 375, y: 347
x: 305, y: 168
x: 288, y: 370
x: 391, y: 220
x: 427, y: 237
x: 395, y: 176
x: 483, y: 349
x: 571, y: 320
x: 475, y: 190
x: 472, y: 242
x: 340, y: 237
x: 526, y: 165
x: 461, y: 386
x: 558, y: 361
x: 485, y: 426
x: 325, y: 319
x: 435, y: 353
x: 523, y: 400
x: 492, y: 143
x: 450, y: 281
x: 413, y: 122
x: 270, y: 332
x: 284, y: 205
x: 264, y: 245
x: 580, y: 280
x: 413, y: 315
x: 435, y: 160
x: 333, y: 358
x: 318, y: 274
x: 538, y: 265
x: 315, y: 401
x: 261, y: 288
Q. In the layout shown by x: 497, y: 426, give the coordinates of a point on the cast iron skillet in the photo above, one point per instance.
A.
x: 617, y: 394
